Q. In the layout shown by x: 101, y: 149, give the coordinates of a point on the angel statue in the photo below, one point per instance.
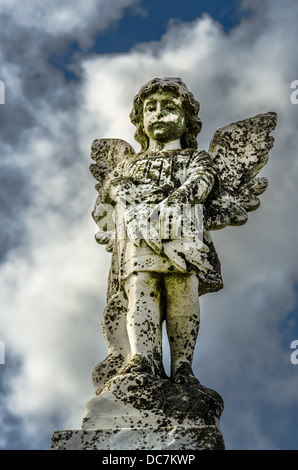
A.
x: 155, y: 210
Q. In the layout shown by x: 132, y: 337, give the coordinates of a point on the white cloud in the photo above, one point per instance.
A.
x: 68, y: 17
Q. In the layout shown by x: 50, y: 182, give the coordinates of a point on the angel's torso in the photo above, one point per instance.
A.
x: 168, y: 169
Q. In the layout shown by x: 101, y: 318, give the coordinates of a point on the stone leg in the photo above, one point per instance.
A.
x: 144, y: 318
x: 183, y: 320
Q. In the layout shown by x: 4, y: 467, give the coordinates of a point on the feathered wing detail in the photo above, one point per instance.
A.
x: 107, y: 154
x: 239, y: 151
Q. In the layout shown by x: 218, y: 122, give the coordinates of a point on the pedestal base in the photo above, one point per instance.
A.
x: 175, y: 438
x: 143, y: 412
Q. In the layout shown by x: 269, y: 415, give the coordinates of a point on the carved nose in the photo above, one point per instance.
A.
x: 159, y: 112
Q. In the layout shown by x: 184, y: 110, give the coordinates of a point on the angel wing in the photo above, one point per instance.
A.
x: 107, y: 154
x: 239, y: 151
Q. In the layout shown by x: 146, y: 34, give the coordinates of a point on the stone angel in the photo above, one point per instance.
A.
x: 155, y: 210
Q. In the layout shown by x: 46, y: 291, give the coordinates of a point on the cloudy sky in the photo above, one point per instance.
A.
x: 71, y: 70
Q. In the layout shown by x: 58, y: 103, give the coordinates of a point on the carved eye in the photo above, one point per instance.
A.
x: 150, y: 107
x: 170, y: 106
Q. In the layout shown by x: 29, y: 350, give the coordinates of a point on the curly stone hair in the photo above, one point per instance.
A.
x: 190, y: 105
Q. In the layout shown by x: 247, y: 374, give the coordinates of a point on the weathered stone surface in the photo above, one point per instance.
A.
x: 165, y: 199
x: 175, y: 438
x: 133, y: 401
x: 139, y: 411
x: 239, y: 151
x: 155, y: 210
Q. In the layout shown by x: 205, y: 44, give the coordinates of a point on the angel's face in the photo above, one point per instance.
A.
x: 164, y: 117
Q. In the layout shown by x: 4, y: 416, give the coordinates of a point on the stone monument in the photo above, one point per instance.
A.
x: 155, y: 210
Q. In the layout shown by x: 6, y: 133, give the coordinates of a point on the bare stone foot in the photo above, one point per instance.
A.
x: 140, y: 364
x: 184, y: 375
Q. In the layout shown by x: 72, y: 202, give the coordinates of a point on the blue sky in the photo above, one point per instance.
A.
x: 71, y: 70
x: 148, y: 21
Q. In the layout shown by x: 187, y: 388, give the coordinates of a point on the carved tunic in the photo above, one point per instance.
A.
x: 183, y: 176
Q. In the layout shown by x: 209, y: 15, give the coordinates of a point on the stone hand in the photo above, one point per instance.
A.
x: 165, y: 224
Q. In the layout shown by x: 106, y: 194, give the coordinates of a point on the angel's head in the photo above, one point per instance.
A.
x: 177, y: 109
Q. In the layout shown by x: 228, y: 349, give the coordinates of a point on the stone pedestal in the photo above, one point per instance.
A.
x: 142, y: 412
x: 176, y: 438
